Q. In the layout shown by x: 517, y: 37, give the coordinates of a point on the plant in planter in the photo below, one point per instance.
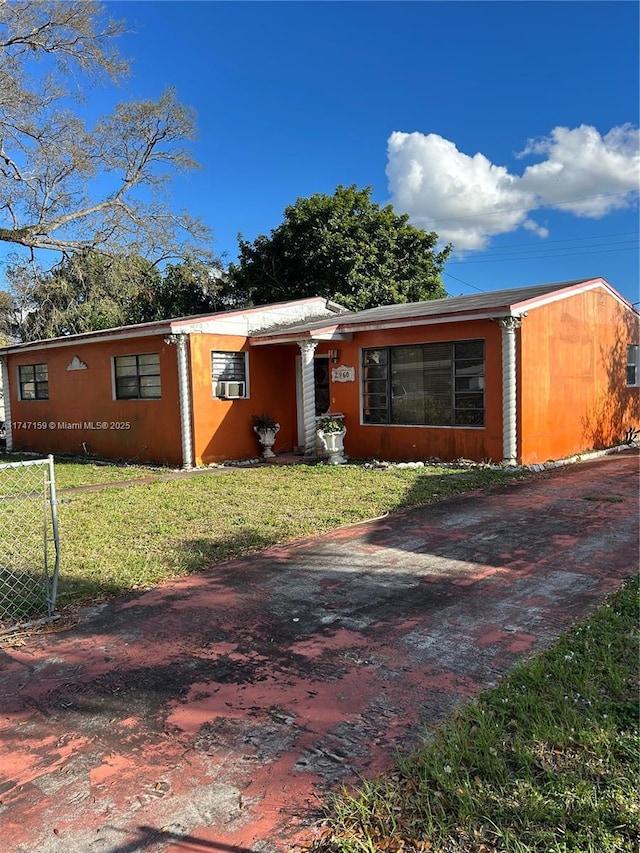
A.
x: 266, y: 428
x: 331, y: 432
x: 330, y: 424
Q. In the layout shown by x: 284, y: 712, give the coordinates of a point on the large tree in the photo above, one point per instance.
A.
x: 8, y: 320
x: 85, y: 292
x: 344, y: 247
x: 93, y: 291
x: 68, y: 187
x: 184, y: 289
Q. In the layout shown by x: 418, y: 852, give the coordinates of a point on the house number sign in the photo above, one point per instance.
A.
x: 343, y: 374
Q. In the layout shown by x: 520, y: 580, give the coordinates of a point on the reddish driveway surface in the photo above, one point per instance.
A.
x: 212, y: 713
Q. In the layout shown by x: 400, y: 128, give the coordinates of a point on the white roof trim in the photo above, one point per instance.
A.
x: 81, y: 340
x: 293, y: 338
x: 439, y: 319
x: 236, y: 322
x: 572, y: 290
x: 346, y: 330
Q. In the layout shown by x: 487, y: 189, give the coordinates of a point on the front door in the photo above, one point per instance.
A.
x: 321, y: 384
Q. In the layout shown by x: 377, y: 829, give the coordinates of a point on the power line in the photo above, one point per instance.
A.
x: 546, y: 243
x: 540, y: 256
x: 556, y: 245
x: 467, y: 283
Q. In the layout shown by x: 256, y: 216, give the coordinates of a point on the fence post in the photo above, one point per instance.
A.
x: 53, y: 503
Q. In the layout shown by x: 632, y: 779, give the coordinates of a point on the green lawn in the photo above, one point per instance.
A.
x: 121, y: 537
x: 71, y: 473
x: 548, y: 762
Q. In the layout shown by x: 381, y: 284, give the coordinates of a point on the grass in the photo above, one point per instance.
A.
x: 70, y: 473
x: 547, y: 762
x: 120, y: 538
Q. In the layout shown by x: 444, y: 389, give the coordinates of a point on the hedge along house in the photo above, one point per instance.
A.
x: 522, y: 375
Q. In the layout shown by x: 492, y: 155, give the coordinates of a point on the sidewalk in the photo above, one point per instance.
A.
x: 213, y: 713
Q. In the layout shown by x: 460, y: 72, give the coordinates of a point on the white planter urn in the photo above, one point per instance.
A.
x: 267, y: 438
x: 333, y: 444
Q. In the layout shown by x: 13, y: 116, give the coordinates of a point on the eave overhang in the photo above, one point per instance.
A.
x: 345, y: 331
x: 332, y: 333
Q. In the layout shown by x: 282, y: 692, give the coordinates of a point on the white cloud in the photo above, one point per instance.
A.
x: 467, y: 200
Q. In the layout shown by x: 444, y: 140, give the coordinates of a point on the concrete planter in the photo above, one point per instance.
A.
x: 267, y: 438
x: 333, y: 445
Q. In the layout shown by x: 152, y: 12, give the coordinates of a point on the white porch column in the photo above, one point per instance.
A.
x: 307, y: 349
x: 184, y: 396
x: 4, y: 382
x: 509, y: 399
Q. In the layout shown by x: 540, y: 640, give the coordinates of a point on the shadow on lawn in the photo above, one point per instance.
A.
x: 318, y: 648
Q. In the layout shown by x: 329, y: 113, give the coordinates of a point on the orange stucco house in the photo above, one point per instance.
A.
x: 520, y: 376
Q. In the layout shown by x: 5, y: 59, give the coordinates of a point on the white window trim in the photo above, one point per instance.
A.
x: 361, y: 395
x: 19, y: 383
x: 246, y: 380
x: 114, y: 395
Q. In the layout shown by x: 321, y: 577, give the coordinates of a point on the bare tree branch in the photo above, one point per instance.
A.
x: 54, y: 169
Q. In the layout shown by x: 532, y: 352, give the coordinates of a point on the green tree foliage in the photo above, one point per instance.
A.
x: 344, y: 247
x: 184, y: 289
x: 83, y: 293
x: 94, y: 291
x: 8, y: 320
x: 68, y: 187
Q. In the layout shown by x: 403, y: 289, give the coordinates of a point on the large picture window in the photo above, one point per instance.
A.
x: 34, y: 381
x: 229, y: 374
x: 439, y: 384
x: 137, y: 377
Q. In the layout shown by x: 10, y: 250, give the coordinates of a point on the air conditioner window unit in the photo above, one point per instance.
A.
x: 231, y: 390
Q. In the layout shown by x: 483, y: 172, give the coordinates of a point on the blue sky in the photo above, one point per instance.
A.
x: 510, y: 128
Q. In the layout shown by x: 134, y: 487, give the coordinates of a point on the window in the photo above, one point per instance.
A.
x: 633, y: 366
x: 34, y: 381
x: 137, y: 376
x: 229, y: 375
x: 440, y: 384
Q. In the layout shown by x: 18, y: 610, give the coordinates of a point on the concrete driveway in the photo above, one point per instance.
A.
x: 213, y: 713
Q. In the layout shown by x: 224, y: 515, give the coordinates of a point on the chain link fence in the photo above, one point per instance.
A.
x: 29, y: 540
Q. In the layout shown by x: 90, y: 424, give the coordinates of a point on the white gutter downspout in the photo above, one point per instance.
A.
x: 184, y: 396
x: 509, y: 397
x: 307, y: 349
x: 4, y: 382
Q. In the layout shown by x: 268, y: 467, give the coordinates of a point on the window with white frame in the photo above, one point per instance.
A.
x: 137, y: 377
x: 229, y: 376
x: 633, y: 366
x: 34, y: 381
x: 435, y: 384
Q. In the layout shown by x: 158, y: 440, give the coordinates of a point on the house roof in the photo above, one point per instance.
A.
x: 241, y: 321
x: 284, y: 322
x: 495, y: 304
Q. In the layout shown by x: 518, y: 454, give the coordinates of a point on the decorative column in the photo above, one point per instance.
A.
x: 4, y: 383
x: 308, y: 348
x: 509, y: 399
x: 184, y: 395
